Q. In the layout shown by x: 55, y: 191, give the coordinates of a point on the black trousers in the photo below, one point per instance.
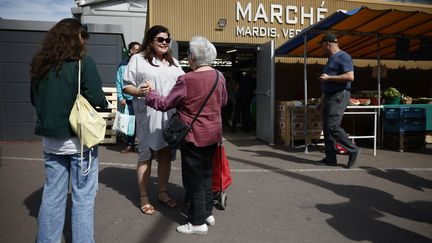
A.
x: 333, y: 109
x: 242, y: 111
x: 130, y: 140
x: 197, y: 180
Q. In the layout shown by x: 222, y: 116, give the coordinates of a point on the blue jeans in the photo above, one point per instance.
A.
x: 58, y: 170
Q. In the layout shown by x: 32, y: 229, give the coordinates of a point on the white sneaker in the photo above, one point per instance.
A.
x: 192, y: 229
x: 210, y: 220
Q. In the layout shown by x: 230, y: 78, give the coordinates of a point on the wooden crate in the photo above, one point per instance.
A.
x: 109, y: 115
x: 291, y: 122
x: 111, y: 95
x: 408, y: 141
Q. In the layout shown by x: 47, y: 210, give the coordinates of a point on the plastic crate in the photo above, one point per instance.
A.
x: 404, y: 112
x: 404, y: 125
x: 404, y: 119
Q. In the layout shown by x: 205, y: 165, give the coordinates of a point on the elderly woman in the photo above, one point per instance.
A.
x: 186, y: 96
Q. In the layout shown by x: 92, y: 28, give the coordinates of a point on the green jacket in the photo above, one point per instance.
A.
x: 55, y: 96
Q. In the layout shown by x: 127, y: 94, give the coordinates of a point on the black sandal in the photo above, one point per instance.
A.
x: 170, y: 203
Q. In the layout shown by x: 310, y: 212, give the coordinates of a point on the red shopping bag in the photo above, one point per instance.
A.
x: 221, y: 170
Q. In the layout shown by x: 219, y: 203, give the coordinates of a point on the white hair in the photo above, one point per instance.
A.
x: 203, y: 50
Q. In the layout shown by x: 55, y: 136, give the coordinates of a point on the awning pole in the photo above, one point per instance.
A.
x: 306, y: 95
x: 379, y: 69
x: 379, y: 88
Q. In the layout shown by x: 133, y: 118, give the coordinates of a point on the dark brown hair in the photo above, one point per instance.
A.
x: 61, y: 43
x: 132, y: 44
x: 147, y: 50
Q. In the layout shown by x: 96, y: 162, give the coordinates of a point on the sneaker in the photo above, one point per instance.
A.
x: 353, y: 159
x: 192, y: 229
x: 325, y: 162
x: 210, y: 220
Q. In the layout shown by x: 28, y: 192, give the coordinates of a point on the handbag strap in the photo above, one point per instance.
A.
x: 206, y: 99
x: 84, y: 171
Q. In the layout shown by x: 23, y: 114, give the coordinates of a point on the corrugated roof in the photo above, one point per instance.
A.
x: 402, y: 35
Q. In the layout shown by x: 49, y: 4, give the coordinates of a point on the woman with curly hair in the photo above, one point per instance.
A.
x: 54, y: 77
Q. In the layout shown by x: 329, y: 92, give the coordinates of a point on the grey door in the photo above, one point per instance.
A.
x: 265, y: 93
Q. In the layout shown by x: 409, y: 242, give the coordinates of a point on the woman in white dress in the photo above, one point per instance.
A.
x: 154, y: 63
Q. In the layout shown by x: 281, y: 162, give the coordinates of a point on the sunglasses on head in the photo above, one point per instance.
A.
x: 161, y: 40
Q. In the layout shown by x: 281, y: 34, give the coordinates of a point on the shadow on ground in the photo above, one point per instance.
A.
x: 358, y: 219
x: 400, y: 177
x: 123, y: 181
x: 33, y: 202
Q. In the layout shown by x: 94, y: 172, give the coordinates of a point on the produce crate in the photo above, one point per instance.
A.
x: 399, y: 113
x: 404, y: 119
x: 404, y: 125
x: 406, y: 141
x: 291, y: 122
x: 109, y: 115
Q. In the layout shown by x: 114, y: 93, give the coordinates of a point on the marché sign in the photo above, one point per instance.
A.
x: 276, y: 14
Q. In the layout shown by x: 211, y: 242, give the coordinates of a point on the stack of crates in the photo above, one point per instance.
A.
x: 291, y: 123
x: 404, y: 128
x: 109, y: 115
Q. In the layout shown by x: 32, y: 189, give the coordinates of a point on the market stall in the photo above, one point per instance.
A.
x: 366, y: 34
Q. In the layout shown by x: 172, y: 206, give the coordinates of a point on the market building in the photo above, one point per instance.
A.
x: 246, y: 33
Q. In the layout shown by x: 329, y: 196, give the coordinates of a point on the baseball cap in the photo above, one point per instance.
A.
x: 329, y: 38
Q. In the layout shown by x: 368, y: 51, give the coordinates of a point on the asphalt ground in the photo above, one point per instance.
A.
x: 278, y: 195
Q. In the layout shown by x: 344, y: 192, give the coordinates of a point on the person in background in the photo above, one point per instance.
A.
x: 125, y: 100
x: 244, y: 95
x: 336, y: 86
x: 187, y: 96
x: 155, y: 63
x: 54, y: 87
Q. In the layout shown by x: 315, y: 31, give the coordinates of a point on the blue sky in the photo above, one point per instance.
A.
x: 44, y: 10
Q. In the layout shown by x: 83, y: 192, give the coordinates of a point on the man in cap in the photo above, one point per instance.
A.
x: 336, y: 80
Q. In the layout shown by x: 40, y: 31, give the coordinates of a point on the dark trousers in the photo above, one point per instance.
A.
x: 333, y: 110
x: 130, y: 140
x: 242, y: 111
x: 197, y: 180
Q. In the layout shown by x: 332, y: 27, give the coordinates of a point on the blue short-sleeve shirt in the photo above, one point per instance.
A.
x: 337, y: 64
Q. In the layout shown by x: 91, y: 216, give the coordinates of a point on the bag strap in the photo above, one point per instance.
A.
x: 79, y: 76
x: 84, y: 172
x: 124, y: 109
x: 206, y: 99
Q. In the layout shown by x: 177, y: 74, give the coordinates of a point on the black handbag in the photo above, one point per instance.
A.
x: 176, y: 130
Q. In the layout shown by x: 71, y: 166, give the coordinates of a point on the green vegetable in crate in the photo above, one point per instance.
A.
x: 392, y: 96
x: 391, y: 92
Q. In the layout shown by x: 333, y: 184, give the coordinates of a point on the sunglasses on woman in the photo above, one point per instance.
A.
x: 161, y: 40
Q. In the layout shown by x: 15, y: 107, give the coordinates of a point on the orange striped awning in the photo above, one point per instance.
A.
x: 398, y: 35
